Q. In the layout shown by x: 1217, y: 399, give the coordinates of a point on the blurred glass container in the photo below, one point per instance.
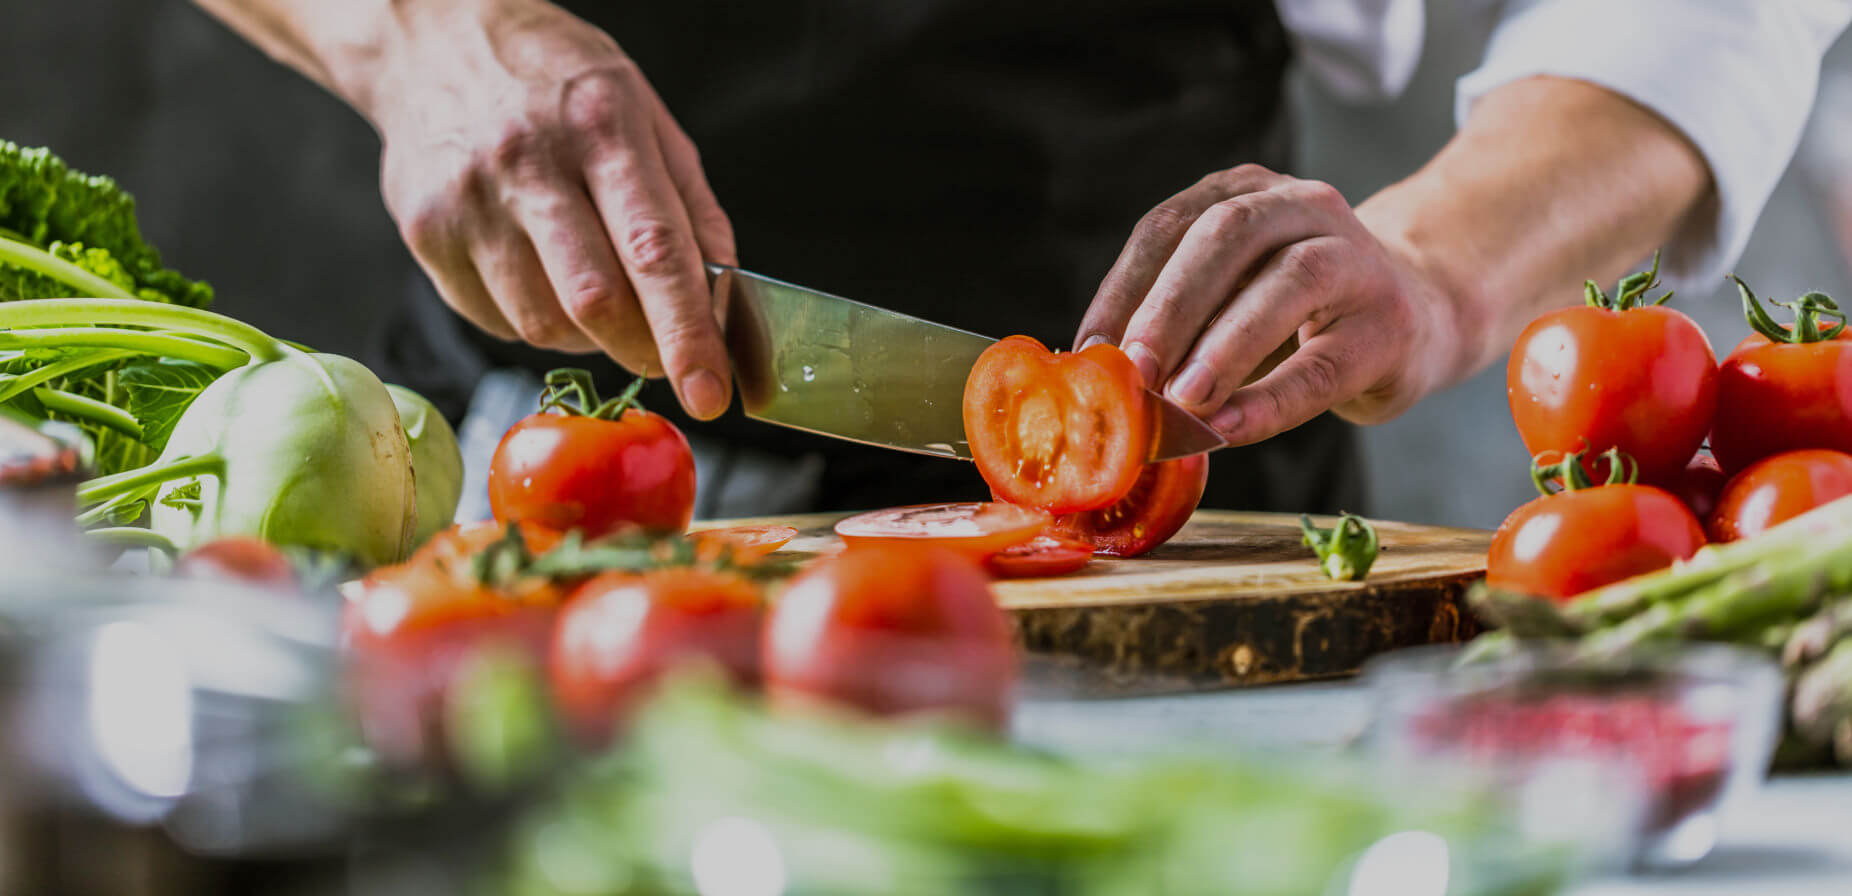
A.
x: 1644, y: 752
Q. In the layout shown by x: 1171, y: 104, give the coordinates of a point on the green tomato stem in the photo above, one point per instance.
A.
x: 103, y: 488
x: 1807, y: 311
x: 86, y: 312
x: 84, y: 407
x: 133, y: 537
x: 20, y: 383
x: 1345, y: 551
x: 33, y: 258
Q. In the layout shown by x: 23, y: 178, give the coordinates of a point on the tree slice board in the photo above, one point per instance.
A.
x: 1234, y: 599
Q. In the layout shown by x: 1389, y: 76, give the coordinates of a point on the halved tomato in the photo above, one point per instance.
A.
x: 976, y: 529
x: 1158, y: 505
x: 1043, y: 555
x: 1063, y: 432
x: 744, y: 542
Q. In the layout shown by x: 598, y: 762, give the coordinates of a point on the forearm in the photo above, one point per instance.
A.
x: 1551, y: 182
x: 343, y: 45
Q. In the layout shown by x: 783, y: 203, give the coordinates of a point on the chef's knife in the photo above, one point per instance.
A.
x: 822, y: 363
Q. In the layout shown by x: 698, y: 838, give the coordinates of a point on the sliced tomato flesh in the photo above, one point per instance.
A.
x: 1039, y: 557
x: 1155, y: 508
x: 745, y: 542
x: 1064, y: 432
x: 975, y: 528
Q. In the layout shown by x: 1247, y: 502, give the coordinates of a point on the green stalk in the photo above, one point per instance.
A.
x: 103, y: 488
x: 86, y: 408
x: 107, y: 509
x: 33, y: 258
x: 165, y: 345
x: 133, y: 537
x: 19, y: 383
x: 138, y: 313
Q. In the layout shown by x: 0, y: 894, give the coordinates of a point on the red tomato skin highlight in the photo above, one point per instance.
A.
x: 1559, y: 546
x: 620, y: 632
x: 1588, y: 379
x: 1156, y: 508
x: 598, y: 476
x: 1779, y: 488
x: 1779, y: 397
x: 893, y: 631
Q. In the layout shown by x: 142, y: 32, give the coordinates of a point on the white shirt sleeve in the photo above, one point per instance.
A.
x: 1360, y: 50
x: 1737, y: 77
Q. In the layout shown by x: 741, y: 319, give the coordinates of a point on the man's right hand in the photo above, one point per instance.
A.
x: 544, y: 187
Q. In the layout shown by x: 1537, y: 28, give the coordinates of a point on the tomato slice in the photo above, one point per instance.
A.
x: 974, y: 528
x: 745, y: 542
x: 1158, y: 505
x: 1039, y: 557
x: 1063, y: 432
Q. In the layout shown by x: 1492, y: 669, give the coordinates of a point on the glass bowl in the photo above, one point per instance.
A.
x: 1635, y: 757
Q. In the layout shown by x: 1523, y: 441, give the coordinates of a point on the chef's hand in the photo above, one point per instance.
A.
x: 544, y: 187
x: 1220, y: 276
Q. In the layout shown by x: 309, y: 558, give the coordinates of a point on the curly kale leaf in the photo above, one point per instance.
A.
x: 49, y: 211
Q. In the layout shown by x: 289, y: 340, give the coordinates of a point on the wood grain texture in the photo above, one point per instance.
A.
x: 1234, y: 599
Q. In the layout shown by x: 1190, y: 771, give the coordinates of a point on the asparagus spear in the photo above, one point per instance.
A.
x: 1523, y: 615
x: 1817, y: 541
x: 1822, y: 702
x: 1812, y: 638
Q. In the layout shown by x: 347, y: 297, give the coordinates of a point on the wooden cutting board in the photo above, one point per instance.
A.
x: 1234, y: 599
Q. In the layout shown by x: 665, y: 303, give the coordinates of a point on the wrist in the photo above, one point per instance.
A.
x: 1461, y: 333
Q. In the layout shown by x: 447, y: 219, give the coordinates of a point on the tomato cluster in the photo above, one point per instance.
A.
x: 1624, y: 377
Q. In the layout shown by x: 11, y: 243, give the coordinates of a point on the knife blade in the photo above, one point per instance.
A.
x: 829, y: 365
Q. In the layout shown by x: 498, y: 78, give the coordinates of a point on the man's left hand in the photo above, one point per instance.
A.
x: 1218, y: 277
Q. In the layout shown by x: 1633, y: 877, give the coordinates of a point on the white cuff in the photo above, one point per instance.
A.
x: 1736, y: 76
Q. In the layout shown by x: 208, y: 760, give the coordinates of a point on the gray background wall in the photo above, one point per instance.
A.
x: 158, y: 95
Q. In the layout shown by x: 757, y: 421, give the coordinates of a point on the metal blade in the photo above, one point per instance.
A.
x: 833, y: 366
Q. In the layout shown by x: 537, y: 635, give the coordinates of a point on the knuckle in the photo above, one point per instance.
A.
x: 517, y: 149
x: 1230, y: 217
x: 1241, y: 176
x: 590, y: 298
x: 1165, y: 222
x: 1309, y: 266
x: 1319, y: 194
x: 540, y: 329
x: 594, y: 102
x: 652, y: 249
x: 425, y: 227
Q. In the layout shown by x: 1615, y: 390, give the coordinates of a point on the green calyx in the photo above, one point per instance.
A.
x: 1629, y: 293
x: 1808, y: 309
x: 570, y: 391
x: 1345, y: 551
x: 1572, y: 475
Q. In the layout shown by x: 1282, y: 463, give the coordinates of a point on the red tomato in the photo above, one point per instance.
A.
x: 975, y: 529
x: 1564, y: 544
x: 1043, y: 555
x: 620, y: 632
x: 408, y: 630
x: 893, y: 630
x: 238, y: 558
x: 1158, y: 505
x: 1063, y: 432
x: 598, y: 476
x: 1697, y: 485
x: 1779, y: 488
x: 1638, y: 378
x: 1774, y: 397
x: 745, y: 543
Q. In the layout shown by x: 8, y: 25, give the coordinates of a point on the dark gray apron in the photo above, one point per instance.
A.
x: 975, y: 162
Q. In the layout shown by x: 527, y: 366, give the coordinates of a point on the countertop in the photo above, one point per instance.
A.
x: 1792, y: 837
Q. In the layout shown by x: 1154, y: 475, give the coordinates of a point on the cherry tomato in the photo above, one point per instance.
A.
x: 1063, y: 432
x: 1158, y: 505
x: 975, y: 529
x: 408, y: 629
x: 1043, y: 555
x: 620, y: 632
x: 1562, y: 545
x: 744, y: 543
x: 1614, y: 373
x: 238, y: 558
x: 599, y: 470
x: 893, y: 630
x: 1779, y: 488
x: 1775, y: 396
x: 1697, y: 485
